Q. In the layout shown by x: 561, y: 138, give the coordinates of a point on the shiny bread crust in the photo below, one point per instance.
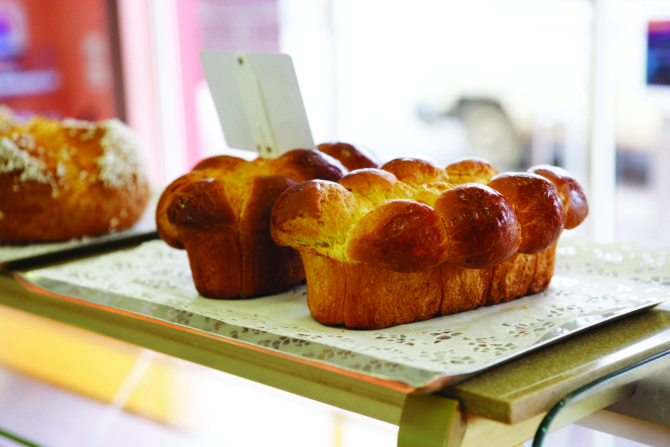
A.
x: 537, y: 205
x: 399, y: 235
x: 350, y: 156
x: 570, y: 191
x: 411, y: 242
x: 470, y: 170
x: 220, y: 214
x: 415, y: 171
x: 482, y: 226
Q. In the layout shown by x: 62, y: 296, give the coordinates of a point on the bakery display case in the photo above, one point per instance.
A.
x: 589, y: 341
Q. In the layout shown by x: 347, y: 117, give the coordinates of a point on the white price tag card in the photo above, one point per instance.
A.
x: 258, y: 101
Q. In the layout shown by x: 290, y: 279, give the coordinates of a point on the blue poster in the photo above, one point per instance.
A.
x: 658, y: 53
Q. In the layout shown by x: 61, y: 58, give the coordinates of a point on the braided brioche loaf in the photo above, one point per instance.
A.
x: 68, y: 179
x: 220, y: 214
x: 412, y: 240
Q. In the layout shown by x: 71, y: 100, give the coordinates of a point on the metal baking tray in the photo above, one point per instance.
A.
x: 593, y: 284
x: 20, y: 257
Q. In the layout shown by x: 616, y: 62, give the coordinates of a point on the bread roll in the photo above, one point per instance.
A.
x: 349, y: 155
x: 206, y: 225
x: 390, y: 246
x: 166, y: 231
x: 537, y: 206
x: 305, y: 164
x: 415, y: 171
x: 470, y: 170
x: 374, y: 186
x: 68, y: 179
x: 220, y: 214
x: 482, y: 227
x: 316, y: 210
x: 571, y: 193
x: 399, y: 235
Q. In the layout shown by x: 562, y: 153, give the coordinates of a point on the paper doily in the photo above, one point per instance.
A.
x: 592, y: 284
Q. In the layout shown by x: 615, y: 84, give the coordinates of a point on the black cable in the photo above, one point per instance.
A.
x: 543, y: 428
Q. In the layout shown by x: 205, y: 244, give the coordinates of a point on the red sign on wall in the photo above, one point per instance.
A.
x: 56, y: 59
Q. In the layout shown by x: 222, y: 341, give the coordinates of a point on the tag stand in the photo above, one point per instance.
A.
x: 254, y: 107
x: 258, y: 101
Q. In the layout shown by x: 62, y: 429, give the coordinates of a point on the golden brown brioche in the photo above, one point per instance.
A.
x: 544, y: 270
x: 365, y: 296
x: 374, y: 186
x: 326, y: 276
x: 399, y: 244
x: 463, y: 288
x: 571, y: 193
x: 482, y: 226
x: 316, y: 210
x: 220, y: 213
x: 166, y: 231
x: 306, y: 164
x: 415, y: 171
x: 203, y: 218
x: 537, y: 206
x: 377, y: 297
x: 349, y: 155
x: 399, y: 235
x: 68, y: 179
x: 511, y: 279
x: 470, y: 170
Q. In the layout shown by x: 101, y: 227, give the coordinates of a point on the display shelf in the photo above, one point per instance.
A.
x: 505, y: 401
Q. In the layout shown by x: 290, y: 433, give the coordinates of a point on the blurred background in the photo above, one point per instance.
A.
x: 583, y: 84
